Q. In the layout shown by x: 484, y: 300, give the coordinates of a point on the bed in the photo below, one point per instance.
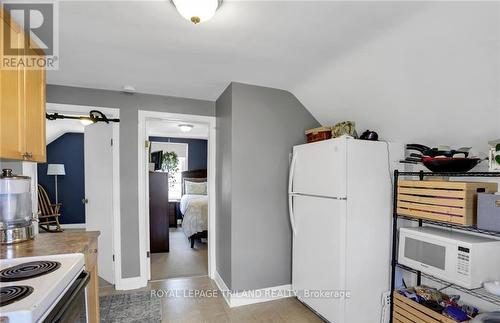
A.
x: 194, y: 207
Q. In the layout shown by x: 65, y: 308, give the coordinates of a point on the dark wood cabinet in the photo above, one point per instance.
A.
x: 158, y: 212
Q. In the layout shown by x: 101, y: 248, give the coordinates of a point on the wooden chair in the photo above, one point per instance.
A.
x: 49, y: 213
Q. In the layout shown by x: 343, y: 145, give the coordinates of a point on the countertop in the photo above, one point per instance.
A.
x: 50, y: 244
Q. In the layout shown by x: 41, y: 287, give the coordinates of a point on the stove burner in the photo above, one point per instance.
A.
x: 11, y: 294
x: 28, y: 270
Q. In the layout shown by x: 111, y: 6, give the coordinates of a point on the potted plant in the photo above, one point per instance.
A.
x: 497, y: 154
x: 494, y: 155
x: 170, y: 164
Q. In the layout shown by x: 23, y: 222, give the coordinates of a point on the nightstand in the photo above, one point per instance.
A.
x: 173, y: 206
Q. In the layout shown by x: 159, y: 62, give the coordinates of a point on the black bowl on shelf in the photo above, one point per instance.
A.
x: 434, y: 152
x: 450, y: 165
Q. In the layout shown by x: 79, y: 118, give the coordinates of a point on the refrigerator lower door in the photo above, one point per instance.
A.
x: 318, y: 274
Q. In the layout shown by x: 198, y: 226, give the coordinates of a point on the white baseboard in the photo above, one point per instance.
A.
x: 235, y: 299
x: 73, y: 226
x: 260, y: 295
x: 129, y: 283
x: 222, y: 287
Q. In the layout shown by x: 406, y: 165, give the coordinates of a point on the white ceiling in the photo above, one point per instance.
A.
x: 162, y: 128
x: 373, y: 62
x: 57, y: 128
x: 149, y: 45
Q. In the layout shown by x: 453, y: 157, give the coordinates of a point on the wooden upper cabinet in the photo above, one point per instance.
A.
x: 22, y: 105
x: 11, y: 102
x: 34, y: 116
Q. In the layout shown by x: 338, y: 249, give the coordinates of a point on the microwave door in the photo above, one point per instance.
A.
x: 430, y: 256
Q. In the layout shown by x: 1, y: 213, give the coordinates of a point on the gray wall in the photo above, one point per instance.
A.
x: 223, y: 203
x: 264, y: 124
x: 256, y: 129
x: 128, y: 105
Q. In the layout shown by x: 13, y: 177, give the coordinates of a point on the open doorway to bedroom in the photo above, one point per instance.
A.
x: 177, y: 187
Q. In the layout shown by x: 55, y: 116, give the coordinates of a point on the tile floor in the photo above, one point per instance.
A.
x: 215, y: 310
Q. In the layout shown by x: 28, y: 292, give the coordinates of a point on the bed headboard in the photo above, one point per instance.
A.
x: 197, y: 175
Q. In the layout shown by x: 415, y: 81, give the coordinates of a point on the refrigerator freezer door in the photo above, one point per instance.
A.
x: 320, y: 169
x: 319, y: 253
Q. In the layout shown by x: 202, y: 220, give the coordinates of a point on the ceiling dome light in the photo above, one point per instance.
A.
x: 196, y: 11
x: 186, y: 127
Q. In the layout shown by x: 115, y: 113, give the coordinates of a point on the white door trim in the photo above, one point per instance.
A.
x: 114, y: 113
x: 143, y: 116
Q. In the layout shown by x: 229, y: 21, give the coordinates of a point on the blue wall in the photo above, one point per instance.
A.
x: 68, y: 150
x: 197, y: 150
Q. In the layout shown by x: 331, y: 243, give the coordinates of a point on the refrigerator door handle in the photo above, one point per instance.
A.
x: 290, y: 195
x: 291, y: 214
x: 291, y: 173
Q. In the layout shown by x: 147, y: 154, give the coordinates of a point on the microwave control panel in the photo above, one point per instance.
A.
x: 463, y: 262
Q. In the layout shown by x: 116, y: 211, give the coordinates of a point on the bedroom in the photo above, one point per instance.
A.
x: 178, y: 199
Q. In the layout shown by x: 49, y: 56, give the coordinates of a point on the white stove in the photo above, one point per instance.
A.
x: 35, y: 288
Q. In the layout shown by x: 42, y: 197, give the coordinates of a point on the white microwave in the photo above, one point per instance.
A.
x: 459, y: 258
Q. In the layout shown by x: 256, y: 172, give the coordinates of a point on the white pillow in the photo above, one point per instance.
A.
x: 195, y: 188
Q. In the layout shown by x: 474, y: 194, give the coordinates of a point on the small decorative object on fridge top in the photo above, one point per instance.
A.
x: 369, y: 135
x: 345, y: 128
x: 318, y: 134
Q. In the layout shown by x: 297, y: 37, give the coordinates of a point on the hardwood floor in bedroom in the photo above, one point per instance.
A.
x: 181, y: 261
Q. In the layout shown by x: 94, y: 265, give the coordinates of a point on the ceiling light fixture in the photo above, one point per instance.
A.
x: 197, y: 11
x: 129, y: 89
x: 186, y: 127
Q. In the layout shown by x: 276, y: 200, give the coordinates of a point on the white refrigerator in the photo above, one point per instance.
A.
x: 340, y: 214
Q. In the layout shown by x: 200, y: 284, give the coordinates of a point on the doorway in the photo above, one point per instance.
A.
x: 96, y: 173
x: 190, y: 249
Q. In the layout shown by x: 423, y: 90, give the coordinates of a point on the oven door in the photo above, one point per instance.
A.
x: 72, y: 306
